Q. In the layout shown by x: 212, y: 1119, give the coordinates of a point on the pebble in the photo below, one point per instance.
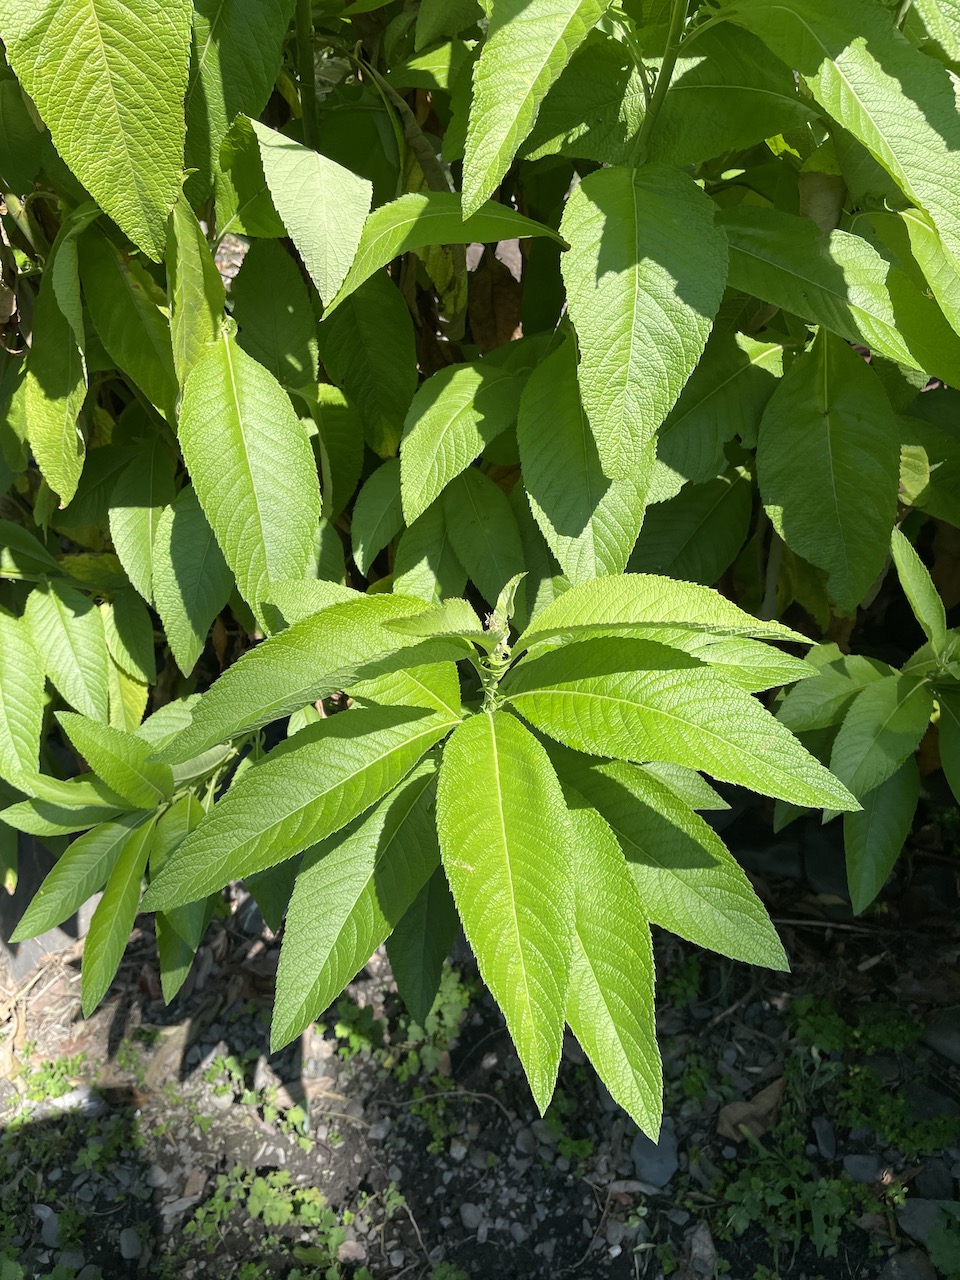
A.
x: 470, y: 1215
x: 563, y: 1164
x: 942, y: 1033
x: 912, y: 1265
x: 397, y: 1258
x: 352, y: 1251
x: 130, y: 1244
x: 518, y: 1232
x: 458, y: 1150
x: 50, y: 1229
x: 862, y: 1168
x: 483, y: 1232
x: 934, y: 1181
x: 656, y: 1162
x: 378, y: 1130
x: 616, y: 1230
x: 729, y: 1153
x: 918, y: 1217
x: 394, y: 1173
x: 825, y: 1136
x: 526, y: 1142
x: 71, y: 1258
x: 156, y: 1176
x: 615, y: 1250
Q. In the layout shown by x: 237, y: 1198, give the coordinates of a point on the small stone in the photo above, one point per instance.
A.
x: 918, y: 1217
x: 562, y: 1164
x: 911, y: 1265
x: 616, y: 1230
x: 156, y: 1177
x: 934, y: 1181
x: 352, y: 1251
x: 397, y: 1258
x: 656, y: 1162
x: 394, y: 1173
x: 518, y: 1232
x: 71, y: 1258
x: 50, y: 1228
x: 378, y: 1130
x: 483, y: 1231
x: 471, y: 1216
x: 729, y: 1153
x: 489, y: 1061
x: 825, y: 1136
x: 679, y: 1217
x: 615, y: 1250
x: 942, y: 1033
x: 864, y: 1169
x: 458, y: 1150
x: 130, y: 1244
x: 526, y: 1142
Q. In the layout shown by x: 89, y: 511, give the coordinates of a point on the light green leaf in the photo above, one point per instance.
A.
x: 423, y: 218
x: 839, y: 281
x: 883, y: 727
x: 179, y: 931
x: 320, y: 654
x: 897, y: 102
x: 367, y: 347
x: 340, y: 441
x: 919, y: 589
x: 687, y: 880
x: 528, y: 44
x: 252, y: 468
x: 873, y: 838
x: 54, y: 391
x: 645, y: 274
x: 120, y: 759
x: 698, y: 534
x: 323, y: 206
x: 639, y: 700
x: 128, y: 631
x: 46, y: 818
x: 23, y: 558
x: 483, y: 531
x: 309, y: 787
x: 505, y: 840
x: 142, y: 490
x: 426, y: 564
x: 22, y: 678
x: 435, y: 686
x: 942, y: 20
x: 237, y: 55
x: 643, y: 599
x: 590, y: 522
x: 113, y: 919
x: 191, y: 581
x: 79, y: 873
x: 824, y: 700
x: 272, y: 307
x: 377, y: 514
x: 120, y: 67
x: 420, y: 943
x: 686, y: 784
x: 67, y: 632
x: 828, y: 464
x: 452, y: 418
x: 439, y: 18
x: 610, y: 1004
x: 195, y: 292
x: 351, y: 891
x: 747, y: 663
x: 127, y: 308
x: 128, y: 698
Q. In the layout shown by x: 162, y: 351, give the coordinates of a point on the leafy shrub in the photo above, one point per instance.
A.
x: 459, y: 531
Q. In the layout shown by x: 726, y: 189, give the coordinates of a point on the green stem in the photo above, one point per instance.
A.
x: 308, y: 80
x: 902, y: 13
x: 678, y: 17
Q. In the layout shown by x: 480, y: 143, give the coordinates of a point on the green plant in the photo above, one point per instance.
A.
x: 477, y: 522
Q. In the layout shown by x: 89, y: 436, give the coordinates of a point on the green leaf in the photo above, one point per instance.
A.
x: 244, y: 204
x: 308, y: 788
x: 643, y: 599
x: 725, y: 397
x: 435, y: 686
x: 340, y: 441
x: 322, y: 204
x: 528, y: 44
x: 23, y: 558
x: 20, y: 137
x: 128, y: 631
x: 252, y: 468
x: 272, y: 307
x: 919, y: 589
x: 425, y: 563
x: 422, y: 218
x: 237, y: 55
x: 320, y: 654
x: 823, y: 701
x: 589, y: 522
x: 747, y: 663
x: 686, y: 784
x: 351, y: 891
x: 506, y: 845
x: 839, y: 281
x: 120, y: 67
x: 897, y: 102
x: 883, y: 727
x: 610, y: 1004
x: 698, y: 534
x: 873, y: 838
x: 452, y: 418
x: 828, y: 464
x: 113, y: 919
x: 439, y: 18
x: 483, y: 531
x: 120, y: 759
x: 179, y: 932
x: 645, y: 274
x: 367, y: 347
x: 639, y: 700
x: 377, y: 514
x: 78, y: 874
x: 45, y: 818
x: 127, y: 309
x: 949, y: 725
x: 142, y: 490
x: 195, y: 290
x: 420, y: 943
x: 22, y: 678
x: 191, y: 581
x: 128, y: 698
x: 67, y: 632
x: 687, y: 880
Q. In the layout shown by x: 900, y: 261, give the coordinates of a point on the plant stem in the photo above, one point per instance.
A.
x: 308, y: 79
x: 678, y: 17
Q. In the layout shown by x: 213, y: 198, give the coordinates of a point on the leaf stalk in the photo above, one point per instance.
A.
x: 305, y: 66
x: 678, y: 16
